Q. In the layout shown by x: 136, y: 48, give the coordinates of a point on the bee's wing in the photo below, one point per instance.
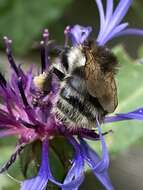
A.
x: 100, y: 85
x: 108, y: 97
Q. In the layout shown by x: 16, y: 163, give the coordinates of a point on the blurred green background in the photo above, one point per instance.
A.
x: 23, y: 21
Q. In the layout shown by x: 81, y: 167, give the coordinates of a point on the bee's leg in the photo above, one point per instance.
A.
x: 95, y: 136
x: 59, y: 74
x: 88, y: 133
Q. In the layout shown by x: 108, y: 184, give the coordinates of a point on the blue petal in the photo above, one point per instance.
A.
x: 72, y: 181
x: 99, y: 166
x: 116, y: 32
x: 136, y: 114
x: 131, y: 31
x: 119, y: 13
x: 73, y: 185
x: 76, y: 171
x: 78, y: 34
x: 101, y: 15
x: 109, y: 10
x: 110, y: 26
x: 75, y: 175
x: 107, y: 18
x: 39, y: 182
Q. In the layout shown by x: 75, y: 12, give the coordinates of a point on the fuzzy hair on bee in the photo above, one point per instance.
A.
x: 86, y: 76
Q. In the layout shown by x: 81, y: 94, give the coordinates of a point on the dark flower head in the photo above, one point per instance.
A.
x: 25, y: 110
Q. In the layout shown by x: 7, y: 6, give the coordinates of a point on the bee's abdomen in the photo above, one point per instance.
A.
x: 74, y: 107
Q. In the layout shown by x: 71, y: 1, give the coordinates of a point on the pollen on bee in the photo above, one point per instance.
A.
x: 39, y: 80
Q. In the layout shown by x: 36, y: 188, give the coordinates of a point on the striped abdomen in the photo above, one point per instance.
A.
x: 74, y: 106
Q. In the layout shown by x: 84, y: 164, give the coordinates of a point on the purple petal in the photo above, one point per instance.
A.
x: 99, y: 166
x: 11, y: 60
x: 7, y: 120
x: 29, y: 80
x: 78, y: 34
x: 9, y: 132
x: 39, y: 182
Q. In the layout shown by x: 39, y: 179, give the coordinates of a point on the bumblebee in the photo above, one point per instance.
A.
x: 87, y: 86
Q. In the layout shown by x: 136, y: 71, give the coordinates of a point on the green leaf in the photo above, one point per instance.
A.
x: 23, y: 20
x: 30, y: 159
x: 61, y: 153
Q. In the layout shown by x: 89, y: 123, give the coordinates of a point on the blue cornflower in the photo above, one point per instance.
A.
x: 19, y: 116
